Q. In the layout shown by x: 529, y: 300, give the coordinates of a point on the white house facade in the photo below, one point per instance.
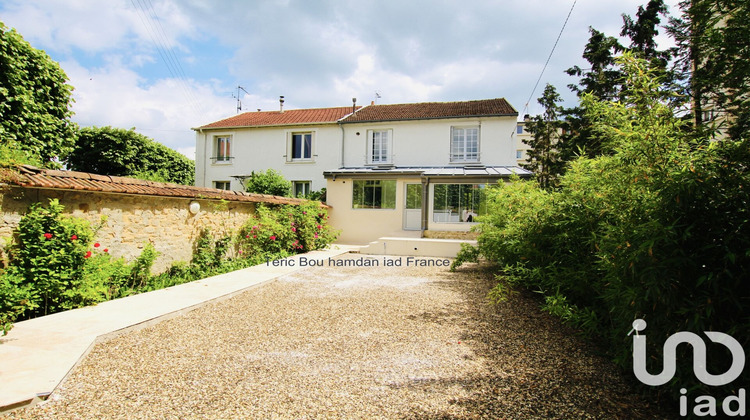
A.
x: 389, y: 170
x: 300, y: 144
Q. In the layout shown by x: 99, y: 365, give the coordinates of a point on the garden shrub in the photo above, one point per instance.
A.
x: 209, y: 252
x: 285, y: 230
x: 268, y: 182
x: 658, y: 229
x: 48, y: 254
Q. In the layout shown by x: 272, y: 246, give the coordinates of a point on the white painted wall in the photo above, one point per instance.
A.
x: 258, y: 149
x: 427, y: 142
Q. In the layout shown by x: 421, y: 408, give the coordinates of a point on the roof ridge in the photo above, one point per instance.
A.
x: 443, y: 102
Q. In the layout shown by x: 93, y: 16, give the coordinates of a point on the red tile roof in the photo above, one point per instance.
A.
x: 288, y: 117
x: 30, y: 176
x: 433, y: 110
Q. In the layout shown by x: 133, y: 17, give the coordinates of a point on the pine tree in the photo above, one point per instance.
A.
x: 544, y: 155
x: 604, y: 78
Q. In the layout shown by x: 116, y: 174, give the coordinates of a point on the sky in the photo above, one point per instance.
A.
x: 166, y: 66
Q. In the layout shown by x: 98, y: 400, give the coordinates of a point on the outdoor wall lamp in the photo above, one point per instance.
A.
x: 195, y: 207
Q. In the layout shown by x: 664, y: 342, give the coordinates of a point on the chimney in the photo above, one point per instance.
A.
x: 354, y: 105
x: 281, y: 103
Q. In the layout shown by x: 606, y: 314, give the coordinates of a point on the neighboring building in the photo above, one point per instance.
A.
x: 522, y: 149
x: 391, y: 170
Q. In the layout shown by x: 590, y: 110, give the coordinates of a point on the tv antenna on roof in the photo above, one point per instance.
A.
x: 239, y: 102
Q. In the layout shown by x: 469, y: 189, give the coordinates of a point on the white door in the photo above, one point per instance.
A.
x: 413, y: 207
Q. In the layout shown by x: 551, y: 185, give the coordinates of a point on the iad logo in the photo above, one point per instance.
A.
x: 699, y: 357
x: 708, y: 406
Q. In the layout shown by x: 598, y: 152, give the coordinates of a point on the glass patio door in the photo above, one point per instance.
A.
x: 413, y: 207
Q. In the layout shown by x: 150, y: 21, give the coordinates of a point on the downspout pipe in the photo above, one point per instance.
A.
x: 341, y: 126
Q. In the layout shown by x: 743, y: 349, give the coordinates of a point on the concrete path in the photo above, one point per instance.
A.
x: 39, y: 353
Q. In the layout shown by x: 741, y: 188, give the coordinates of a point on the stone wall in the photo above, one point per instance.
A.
x: 132, y: 221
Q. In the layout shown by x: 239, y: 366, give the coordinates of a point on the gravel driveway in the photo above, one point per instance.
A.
x: 350, y: 342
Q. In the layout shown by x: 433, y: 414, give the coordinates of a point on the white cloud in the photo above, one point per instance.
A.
x: 116, y: 96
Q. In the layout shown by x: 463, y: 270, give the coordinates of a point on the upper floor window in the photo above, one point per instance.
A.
x: 465, y: 144
x: 379, y: 146
x: 519, y: 129
x: 222, y: 149
x: 301, y: 146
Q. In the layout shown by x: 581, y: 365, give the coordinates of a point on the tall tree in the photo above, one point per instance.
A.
x: 713, y: 39
x: 544, y: 155
x: 604, y: 79
x: 116, y: 151
x: 34, y: 100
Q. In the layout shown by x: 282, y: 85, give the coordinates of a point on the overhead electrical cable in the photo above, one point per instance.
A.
x: 161, y: 42
x: 526, y: 106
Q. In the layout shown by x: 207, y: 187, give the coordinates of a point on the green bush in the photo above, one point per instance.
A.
x: 285, y: 230
x: 116, y: 151
x: 16, y: 298
x: 268, y: 182
x: 49, y: 254
x: 658, y: 230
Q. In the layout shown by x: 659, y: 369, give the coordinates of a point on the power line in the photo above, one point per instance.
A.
x: 161, y: 42
x: 526, y: 107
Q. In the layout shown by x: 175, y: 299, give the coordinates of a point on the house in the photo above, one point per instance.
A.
x: 389, y: 170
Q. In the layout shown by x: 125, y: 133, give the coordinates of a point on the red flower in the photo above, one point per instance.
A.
x: 273, y: 237
x: 320, y: 227
x: 294, y: 229
x: 97, y: 245
x: 316, y: 236
x: 255, y: 236
x: 73, y: 238
x: 48, y: 235
x: 106, y: 249
x: 88, y: 255
x: 247, y: 236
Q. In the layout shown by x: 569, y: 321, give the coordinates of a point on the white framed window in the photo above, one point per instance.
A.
x: 379, y: 145
x: 223, y: 185
x: 519, y: 154
x: 519, y: 129
x: 222, y: 149
x: 464, y: 144
x: 300, y: 147
x: 301, y: 188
